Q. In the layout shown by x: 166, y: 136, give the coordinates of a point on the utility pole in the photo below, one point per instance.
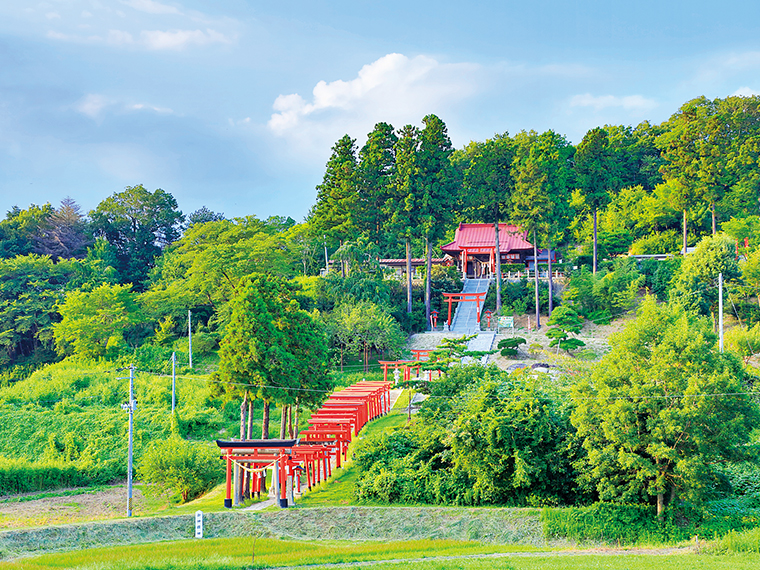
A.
x: 130, y: 407
x: 190, y: 336
x: 174, y: 379
x: 720, y: 310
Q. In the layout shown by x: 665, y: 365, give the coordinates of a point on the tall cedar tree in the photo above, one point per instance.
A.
x: 438, y: 187
x: 333, y: 213
x: 594, y: 168
x: 542, y: 174
x: 375, y: 176
x: 403, y: 206
x: 489, y: 185
x: 681, y: 148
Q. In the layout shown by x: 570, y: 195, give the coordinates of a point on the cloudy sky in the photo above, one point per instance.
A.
x: 235, y: 104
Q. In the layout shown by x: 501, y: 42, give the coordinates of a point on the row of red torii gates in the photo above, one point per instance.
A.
x: 332, y: 427
x: 312, y: 453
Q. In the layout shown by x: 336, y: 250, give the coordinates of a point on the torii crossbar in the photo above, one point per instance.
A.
x: 463, y: 297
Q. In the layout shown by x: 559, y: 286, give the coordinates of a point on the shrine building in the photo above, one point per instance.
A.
x: 474, y: 248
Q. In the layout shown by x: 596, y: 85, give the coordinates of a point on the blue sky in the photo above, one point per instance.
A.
x: 235, y: 104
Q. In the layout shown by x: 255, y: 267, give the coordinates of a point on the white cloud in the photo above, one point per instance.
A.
x: 179, y: 39
x: 151, y: 39
x: 53, y: 16
x: 145, y: 107
x: 628, y: 102
x: 151, y: 7
x: 394, y: 88
x: 745, y: 92
x: 119, y: 38
x: 743, y: 60
x: 93, y: 104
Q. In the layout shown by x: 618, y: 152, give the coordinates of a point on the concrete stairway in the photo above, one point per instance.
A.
x: 465, y: 320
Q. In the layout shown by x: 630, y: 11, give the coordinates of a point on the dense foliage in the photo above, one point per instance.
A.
x: 482, y: 437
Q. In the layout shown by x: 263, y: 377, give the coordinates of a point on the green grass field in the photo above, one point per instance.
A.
x: 223, y: 554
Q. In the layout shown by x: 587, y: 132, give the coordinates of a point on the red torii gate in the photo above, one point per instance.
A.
x: 462, y: 297
x: 405, y: 365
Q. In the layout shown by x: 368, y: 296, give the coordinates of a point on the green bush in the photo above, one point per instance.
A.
x: 630, y: 524
x: 188, y: 469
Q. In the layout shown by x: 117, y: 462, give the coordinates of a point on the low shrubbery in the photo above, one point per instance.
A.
x: 630, y: 523
x: 24, y: 476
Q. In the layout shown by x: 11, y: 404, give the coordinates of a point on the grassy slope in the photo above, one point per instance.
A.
x: 339, y: 489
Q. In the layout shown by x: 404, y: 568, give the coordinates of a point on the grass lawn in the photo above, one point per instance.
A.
x: 238, y: 553
x: 223, y: 554
x: 339, y: 489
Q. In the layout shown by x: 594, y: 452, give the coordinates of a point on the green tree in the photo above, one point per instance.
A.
x: 438, y: 187
x: 21, y: 229
x: 30, y: 287
x: 364, y: 327
x: 542, y: 174
x: 695, y: 287
x: 138, y: 224
x: 204, y: 268
x: 334, y: 213
x: 403, y: 203
x: 271, y: 348
x: 489, y: 185
x: 96, y: 323
x: 662, y: 409
x: 375, y: 175
x: 593, y: 165
x: 189, y: 469
x: 565, y: 320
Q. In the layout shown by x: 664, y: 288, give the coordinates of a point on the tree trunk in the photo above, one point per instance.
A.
x: 290, y: 421
x: 683, y: 224
x: 409, y: 406
x: 498, y: 267
x: 408, y: 276
x: 297, y: 420
x: 243, y: 410
x: 594, y: 256
x: 535, y: 269
x: 283, y: 421
x: 342, y: 266
x: 428, y: 270
x: 714, y: 220
x: 551, y: 288
x: 660, y: 505
x: 265, y: 421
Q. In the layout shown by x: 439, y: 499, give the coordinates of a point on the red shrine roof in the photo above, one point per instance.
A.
x: 479, y: 238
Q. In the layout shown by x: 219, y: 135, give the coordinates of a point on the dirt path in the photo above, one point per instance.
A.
x: 71, y: 506
x: 553, y: 554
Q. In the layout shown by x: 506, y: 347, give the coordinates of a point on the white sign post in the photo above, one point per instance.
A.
x: 198, y: 524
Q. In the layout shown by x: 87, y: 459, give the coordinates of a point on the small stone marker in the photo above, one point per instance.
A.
x: 198, y: 524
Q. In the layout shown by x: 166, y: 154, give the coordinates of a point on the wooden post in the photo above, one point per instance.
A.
x: 228, y: 495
